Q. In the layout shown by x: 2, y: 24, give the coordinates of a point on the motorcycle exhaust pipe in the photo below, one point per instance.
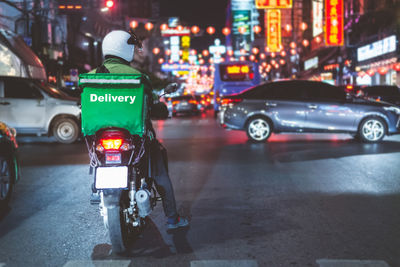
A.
x: 142, y: 197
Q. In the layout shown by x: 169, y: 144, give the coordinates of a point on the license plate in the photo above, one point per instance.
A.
x: 111, y: 177
x: 113, y: 158
x: 184, y: 103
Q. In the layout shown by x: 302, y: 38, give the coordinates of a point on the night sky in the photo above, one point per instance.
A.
x: 202, y: 13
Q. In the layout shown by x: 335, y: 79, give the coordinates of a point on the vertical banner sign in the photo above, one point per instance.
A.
x: 241, y: 19
x: 317, y: 17
x: 262, y: 4
x: 334, y: 33
x: 174, y: 41
x: 185, y: 44
x: 273, y: 25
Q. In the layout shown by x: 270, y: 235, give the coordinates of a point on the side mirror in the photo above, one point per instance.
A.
x: 171, y: 88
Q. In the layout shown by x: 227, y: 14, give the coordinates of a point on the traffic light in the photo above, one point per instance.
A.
x: 109, y: 3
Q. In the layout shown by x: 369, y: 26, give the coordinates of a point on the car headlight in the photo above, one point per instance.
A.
x: 394, y: 109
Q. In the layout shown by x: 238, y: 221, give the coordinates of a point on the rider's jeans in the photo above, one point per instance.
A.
x: 162, y: 180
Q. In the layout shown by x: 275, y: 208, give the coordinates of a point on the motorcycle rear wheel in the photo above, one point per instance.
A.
x: 117, y: 230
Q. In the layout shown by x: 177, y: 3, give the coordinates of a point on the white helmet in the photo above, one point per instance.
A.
x: 115, y: 43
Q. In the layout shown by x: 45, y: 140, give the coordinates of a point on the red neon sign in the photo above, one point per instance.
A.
x: 273, y: 25
x: 273, y: 4
x: 334, y: 34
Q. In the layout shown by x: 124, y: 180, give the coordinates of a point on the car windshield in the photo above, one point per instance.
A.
x: 52, y: 91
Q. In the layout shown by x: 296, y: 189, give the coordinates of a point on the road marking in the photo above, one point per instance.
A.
x: 98, y: 263
x: 2, y: 264
x: 351, y: 263
x: 224, y: 263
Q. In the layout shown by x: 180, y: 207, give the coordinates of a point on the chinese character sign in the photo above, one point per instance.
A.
x: 334, y: 34
x: 273, y: 4
x: 273, y: 25
x: 185, y: 44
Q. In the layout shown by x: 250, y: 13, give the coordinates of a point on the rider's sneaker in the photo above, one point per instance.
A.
x: 179, y: 222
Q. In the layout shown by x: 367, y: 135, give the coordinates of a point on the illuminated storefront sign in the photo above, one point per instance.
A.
x: 175, y: 67
x: 318, y: 17
x: 334, y: 34
x: 377, y: 48
x: 175, y: 32
x: 311, y: 63
x: 273, y: 25
x: 185, y: 44
x: 274, y: 3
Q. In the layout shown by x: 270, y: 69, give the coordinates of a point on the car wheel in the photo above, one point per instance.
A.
x: 372, y: 130
x: 6, y: 182
x: 258, y: 129
x: 65, y: 130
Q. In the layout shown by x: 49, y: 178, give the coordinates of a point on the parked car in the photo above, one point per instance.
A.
x: 387, y: 93
x: 186, y: 104
x: 33, y: 107
x: 307, y: 106
x: 9, y: 166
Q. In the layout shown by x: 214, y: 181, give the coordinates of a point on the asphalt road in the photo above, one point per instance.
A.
x: 297, y: 200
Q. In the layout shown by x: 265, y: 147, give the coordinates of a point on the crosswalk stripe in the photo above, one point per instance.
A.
x: 224, y: 263
x: 351, y: 263
x: 98, y: 263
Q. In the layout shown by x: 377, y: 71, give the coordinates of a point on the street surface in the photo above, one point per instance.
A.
x: 297, y: 200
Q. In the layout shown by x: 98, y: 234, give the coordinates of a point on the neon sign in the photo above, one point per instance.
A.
x: 334, y: 34
x: 273, y: 4
x: 273, y: 25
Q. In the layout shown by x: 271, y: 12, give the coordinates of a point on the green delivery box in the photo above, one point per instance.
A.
x: 113, y: 100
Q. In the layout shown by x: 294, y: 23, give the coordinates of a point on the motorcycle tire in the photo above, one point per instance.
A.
x: 117, y: 230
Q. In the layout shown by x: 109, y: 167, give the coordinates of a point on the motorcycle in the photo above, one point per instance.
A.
x: 9, y: 164
x: 123, y: 179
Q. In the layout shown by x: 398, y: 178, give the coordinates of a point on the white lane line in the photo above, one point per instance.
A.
x: 224, y: 263
x: 98, y: 263
x: 351, y: 263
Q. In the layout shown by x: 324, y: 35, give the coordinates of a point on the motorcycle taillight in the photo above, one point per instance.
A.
x: 111, y: 144
x: 113, y: 140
